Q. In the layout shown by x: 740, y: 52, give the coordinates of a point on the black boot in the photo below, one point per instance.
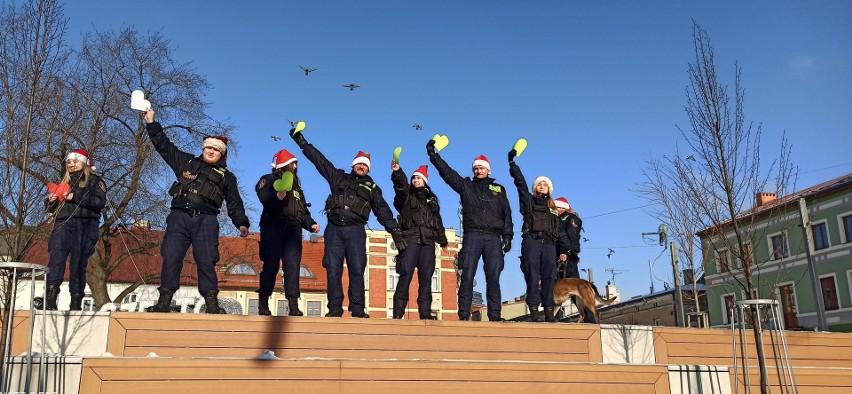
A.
x: 263, y: 305
x: 212, y: 303
x: 164, y: 303
x: 76, y: 302
x: 548, y: 314
x: 50, y: 296
x: 294, y: 306
x: 535, y: 316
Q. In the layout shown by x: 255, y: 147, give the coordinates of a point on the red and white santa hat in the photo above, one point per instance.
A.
x: 481, y: 160
x: 363, y: 158
x: 562, y: 202
x: 282, y: 158
x: 220, y: 143
x: 422, y: 173
x: 78, y: 155
x: 545, y: 180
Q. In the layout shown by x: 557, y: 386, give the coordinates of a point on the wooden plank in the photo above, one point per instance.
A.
x: 369, y: 354
x: 116, y: 337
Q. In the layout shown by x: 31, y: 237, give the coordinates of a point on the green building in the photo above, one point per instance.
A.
x: 775, y: 242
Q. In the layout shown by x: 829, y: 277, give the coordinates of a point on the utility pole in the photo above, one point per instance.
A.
x: 815, y: 284
x: 678, y: 293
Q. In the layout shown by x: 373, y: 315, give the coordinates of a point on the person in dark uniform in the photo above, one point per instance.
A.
x: 487, y: 223
x: 569, y: 254
x: 422, y: 227
x: 541, y: 234
x: 353, y: 196
x: 76, y: 212
x: 285, y: 214
x: 203, y: 184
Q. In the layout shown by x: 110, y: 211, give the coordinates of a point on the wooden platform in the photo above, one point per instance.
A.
x: 218, y: 353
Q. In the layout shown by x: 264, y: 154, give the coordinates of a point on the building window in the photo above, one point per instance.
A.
x: 132, y: 297
x: 314, y: 308
x: 820, y: 233
x: 435, y: 285
x: 252, y: 307
x: 393, y: 278
x: 89, y: 304
x: 847, y: 227
x: 723, y: 258
x: 779, y: 247
x: 748, y: 258
x: 242, y: 269
x: 655, y: 322
x: 728, y: 301
x: 283, y: 308
x: 829, y: 293
x: 305, y: 272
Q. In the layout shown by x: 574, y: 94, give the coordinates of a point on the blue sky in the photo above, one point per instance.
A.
x: 596, y: 88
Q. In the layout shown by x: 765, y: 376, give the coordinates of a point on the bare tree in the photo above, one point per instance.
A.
x: 664, y: 187
x: 31, y: 71
x: 720, y: 185
x: 111, y: 65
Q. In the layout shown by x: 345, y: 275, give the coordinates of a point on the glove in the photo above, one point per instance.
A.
x: 396, y: 234
x: 512, y: 154
x: 298, y: 138
x: 507, y: 244
x: 430, y: 147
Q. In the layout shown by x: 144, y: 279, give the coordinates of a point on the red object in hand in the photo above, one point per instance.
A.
x: 60, y: 190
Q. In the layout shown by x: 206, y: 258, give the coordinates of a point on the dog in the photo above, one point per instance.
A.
x: 586, y: 293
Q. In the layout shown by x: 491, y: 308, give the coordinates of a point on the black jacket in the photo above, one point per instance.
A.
x: 181, y: 162
x: 571, y: 225
x: 416, y: 206
x: 527, y: 200
x: 335, y: 177
x: 293, y: 209
x: 485, y: 206
x: 86, y: 202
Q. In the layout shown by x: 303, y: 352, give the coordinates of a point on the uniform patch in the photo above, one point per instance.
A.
x: 296, y: 195
x: 261, y: 184
x: 495, y: 189
x: 102, y: 185
x: 573, y: 223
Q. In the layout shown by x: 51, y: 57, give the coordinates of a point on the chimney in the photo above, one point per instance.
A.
x: 765, y: 198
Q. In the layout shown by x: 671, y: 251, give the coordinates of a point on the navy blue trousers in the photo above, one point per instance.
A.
x: 421, y: 257
x: 349, y: 243
x: 74, y: 238
x: 538, y: 263
x: 183, y: 230
x: 280, y: 241
x: 488, y: 247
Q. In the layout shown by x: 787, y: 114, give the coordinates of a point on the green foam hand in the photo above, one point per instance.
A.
x: 396, y: 152
x: 441, y: 142
x: 284, y: 184
x: 520, y: 146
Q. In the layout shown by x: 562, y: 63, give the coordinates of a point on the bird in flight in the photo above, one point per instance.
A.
x: 585, y: 239
x: 610, y: 253
x: 417, y: 126
x: 275, y: 138
x: 307, y: 70
x: 351, y: 86
x: 690, y: 157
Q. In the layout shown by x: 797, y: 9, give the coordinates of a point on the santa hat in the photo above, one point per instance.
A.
x: 282, y: 158
x: 78, y: 155
x: 562, y: 202
x: 220, y: 143
x: 363, y: 158
x: 481, y: 160
x: 421, y: 172
x: 545, y: 180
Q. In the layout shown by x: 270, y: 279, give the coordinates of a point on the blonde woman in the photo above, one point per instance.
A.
x: 77, y: 214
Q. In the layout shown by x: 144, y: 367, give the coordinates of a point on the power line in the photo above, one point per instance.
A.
x: 620, y: 210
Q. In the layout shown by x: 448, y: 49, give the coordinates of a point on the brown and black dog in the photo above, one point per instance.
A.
x: 586, y: 293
